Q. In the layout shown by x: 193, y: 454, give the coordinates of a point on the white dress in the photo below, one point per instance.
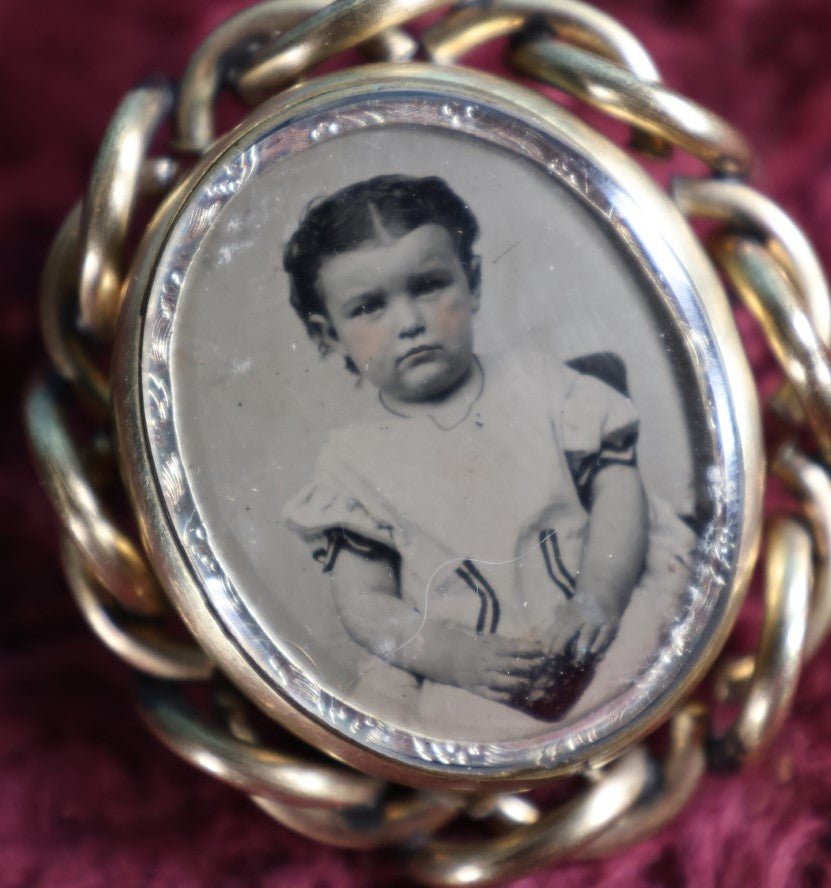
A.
x: 486, y: 510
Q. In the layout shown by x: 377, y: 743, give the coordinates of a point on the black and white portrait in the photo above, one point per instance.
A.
x: 486, y: 525
x: 451, y: 458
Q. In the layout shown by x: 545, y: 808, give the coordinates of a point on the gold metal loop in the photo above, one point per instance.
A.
x: 557, y: 834
x: 811, y: 484
x: 732, y: 679
x: 112, y: 558
x: 391, y: 822
x: 770, y: 295
x: 507, y: 808
x: 223, y: 48
x: 392, y: 45
x: 680, y: 773
x: 468, y: 26
x: 109, y: 203
x: 226, y: 48
x: 341, y: 25
x: 396, y: 817
x: 69, y: 353
x: 157, y: 176
x: 779, y: 657
x: 143, y: 646
x: 743, y: 208
x: 649, y: 107
x: 570, y: 21
x: 248, y: 766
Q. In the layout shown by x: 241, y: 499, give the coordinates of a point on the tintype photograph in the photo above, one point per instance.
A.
x: 438, y: 429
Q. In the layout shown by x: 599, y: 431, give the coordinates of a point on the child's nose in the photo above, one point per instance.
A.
x: 409, y: 319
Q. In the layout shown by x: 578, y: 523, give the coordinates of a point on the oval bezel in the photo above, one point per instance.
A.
x: 666, y: 250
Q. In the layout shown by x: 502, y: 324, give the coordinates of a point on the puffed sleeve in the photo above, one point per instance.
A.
x: 338, y: 510
x: 599, y: 428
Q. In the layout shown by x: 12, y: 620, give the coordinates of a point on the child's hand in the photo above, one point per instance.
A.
x: 494, y: 667
x: 585, y: 628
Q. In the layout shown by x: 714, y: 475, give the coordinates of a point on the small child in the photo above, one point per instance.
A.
x: 486, y: 528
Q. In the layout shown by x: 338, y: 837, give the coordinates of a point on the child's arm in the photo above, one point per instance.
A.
x: 366, y: 592
x: 612, y: 560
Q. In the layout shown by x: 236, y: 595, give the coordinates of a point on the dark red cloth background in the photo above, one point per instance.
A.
x: 87, y: 797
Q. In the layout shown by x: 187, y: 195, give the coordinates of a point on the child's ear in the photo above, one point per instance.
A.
x: 323, y: 333
x: 474, y: 280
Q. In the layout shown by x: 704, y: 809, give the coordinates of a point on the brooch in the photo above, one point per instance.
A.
x: 437, y: 431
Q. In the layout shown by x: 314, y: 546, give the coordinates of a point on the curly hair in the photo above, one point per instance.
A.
x: 349, y: 217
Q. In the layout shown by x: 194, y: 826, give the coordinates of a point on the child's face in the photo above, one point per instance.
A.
x: 402, y: 308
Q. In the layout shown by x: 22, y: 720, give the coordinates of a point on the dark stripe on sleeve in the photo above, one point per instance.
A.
x: 338, y: 539
x: 477, y: 574
x: 584, y: 469
x: 561, y: 577
x: 483, y: 601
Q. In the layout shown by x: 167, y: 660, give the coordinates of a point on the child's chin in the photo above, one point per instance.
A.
x: 426, y: 386
x: 427, y: 382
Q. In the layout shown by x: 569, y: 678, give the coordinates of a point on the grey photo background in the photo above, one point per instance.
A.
x: 254, y: 401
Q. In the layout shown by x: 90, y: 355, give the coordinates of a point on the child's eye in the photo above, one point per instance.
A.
x: 429, y: 283
x: 367, y: 306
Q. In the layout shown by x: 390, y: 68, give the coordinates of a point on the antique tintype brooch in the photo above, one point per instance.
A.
x: 437, y: 429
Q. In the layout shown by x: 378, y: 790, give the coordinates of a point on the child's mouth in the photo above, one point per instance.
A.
x: 417, y: 354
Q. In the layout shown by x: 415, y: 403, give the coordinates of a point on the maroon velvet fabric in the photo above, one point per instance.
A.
x: 87, y: 797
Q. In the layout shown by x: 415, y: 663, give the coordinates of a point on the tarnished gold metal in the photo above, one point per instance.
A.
x: 770, y: 295
x: 468, y: 26
x: 392, y: 45
x: 392, y: 821
x: 157, y: 176
x: 779, y: 656
x: 69, y: 353
x: 680, y: 773
x: 144, y: 646
x: 649, y: 107
x: 250, y: 767
x: 510, y: 809
x: 221, y: 50
x: 228, y: 46
x: 745, y: 209
x: 677, y: 779
x: 732, y: 679
x: 811, y: 484
x: 108, y: 206
x: 337, y: 27
x: 110, y: 555
x: 397, y: 816
x: 557, y: 834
